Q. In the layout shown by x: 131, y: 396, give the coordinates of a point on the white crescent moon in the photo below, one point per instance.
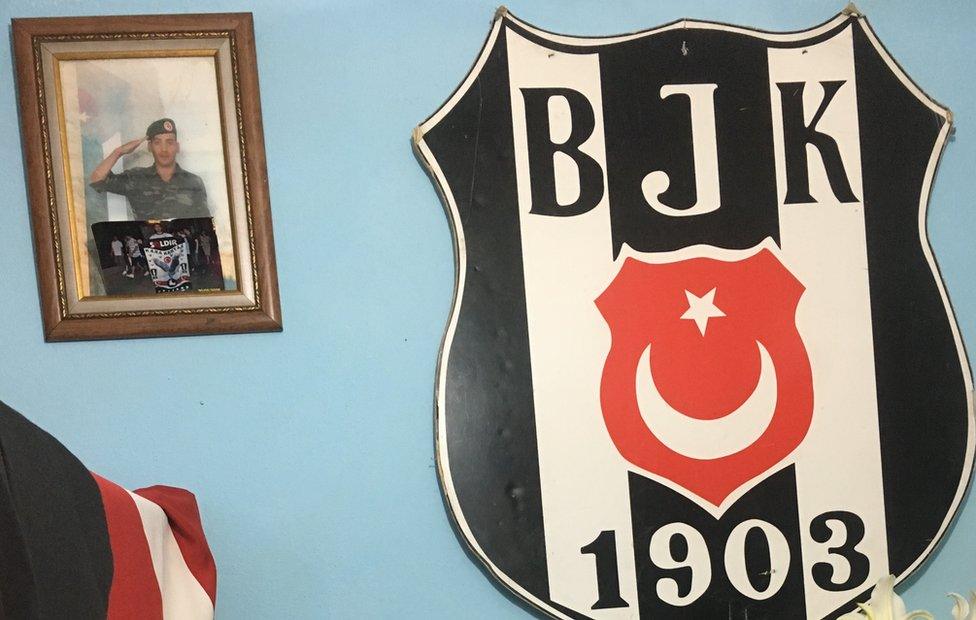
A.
x: 707, y: 439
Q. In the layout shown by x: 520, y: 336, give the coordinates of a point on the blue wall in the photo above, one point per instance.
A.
x: 311, y: 451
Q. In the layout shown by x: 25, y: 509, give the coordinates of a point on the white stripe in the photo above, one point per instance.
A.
x: 183, y: 596
x: 825, y: 246
x: 568, y: 263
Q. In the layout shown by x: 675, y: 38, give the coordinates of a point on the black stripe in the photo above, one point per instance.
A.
x: 645, y: 134
x: 921, y: 391
x: 491, y: 433
x: 773, y: 500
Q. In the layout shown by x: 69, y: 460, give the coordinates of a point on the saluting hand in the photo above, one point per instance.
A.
x: 102, y: 170
x: 130, y: 146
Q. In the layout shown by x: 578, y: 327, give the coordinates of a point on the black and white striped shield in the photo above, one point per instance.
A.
x: 700, y: 361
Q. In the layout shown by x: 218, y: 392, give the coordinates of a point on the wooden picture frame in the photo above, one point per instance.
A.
x: 86, y: 83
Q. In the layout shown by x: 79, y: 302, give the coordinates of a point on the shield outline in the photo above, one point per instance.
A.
x: 433, y: 169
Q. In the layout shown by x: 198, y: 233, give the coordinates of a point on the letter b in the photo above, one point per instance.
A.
x: 542, y: 149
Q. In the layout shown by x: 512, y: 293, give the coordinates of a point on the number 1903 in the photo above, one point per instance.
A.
x: 693, y: 557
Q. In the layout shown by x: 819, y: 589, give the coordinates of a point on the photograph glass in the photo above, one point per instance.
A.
x: 146, y: 170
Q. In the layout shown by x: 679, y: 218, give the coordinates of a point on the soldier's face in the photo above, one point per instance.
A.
x: 164, y: 148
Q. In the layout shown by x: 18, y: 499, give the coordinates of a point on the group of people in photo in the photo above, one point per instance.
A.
x: 197, y: 245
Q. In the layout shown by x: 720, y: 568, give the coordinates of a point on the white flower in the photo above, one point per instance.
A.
x: 886, y: 605
x: 964, y: 610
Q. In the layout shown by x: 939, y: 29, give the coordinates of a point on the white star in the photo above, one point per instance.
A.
x: 700, y: 309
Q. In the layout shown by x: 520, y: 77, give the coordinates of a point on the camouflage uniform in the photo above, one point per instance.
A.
x: 152, y: 198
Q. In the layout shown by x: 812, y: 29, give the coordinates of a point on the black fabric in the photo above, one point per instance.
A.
x: 55, y: 557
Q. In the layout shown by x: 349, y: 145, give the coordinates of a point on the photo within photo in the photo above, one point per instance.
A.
x: 151, y: 256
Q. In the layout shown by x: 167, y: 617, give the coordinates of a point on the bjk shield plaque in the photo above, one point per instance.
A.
x: 700, y: 361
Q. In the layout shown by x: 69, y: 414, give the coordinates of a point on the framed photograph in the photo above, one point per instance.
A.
x: 146, y: 175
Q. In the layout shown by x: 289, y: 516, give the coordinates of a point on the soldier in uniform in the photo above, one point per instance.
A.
x: 161, y: 191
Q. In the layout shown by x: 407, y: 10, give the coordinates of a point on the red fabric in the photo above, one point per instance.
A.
x: 135, y: 591
x: 183, y: 514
